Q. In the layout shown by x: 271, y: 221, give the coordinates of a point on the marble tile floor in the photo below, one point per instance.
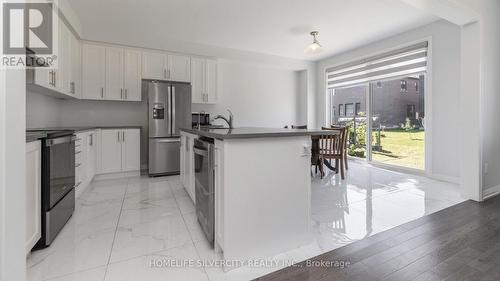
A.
x: 132, y: 228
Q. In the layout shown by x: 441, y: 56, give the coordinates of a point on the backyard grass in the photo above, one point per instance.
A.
x: 401, y: 148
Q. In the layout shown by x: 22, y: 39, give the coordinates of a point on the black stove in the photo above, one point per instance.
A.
x: 58, y: 181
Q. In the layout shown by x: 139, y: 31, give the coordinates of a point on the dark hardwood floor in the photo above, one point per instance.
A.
x: 458, y: 243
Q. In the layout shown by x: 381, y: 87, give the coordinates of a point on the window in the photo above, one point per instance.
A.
x: 410, y: 111
x: 341, y: 110
x: 358, y: 108
x: 404, y: 86
x: 349, y: 109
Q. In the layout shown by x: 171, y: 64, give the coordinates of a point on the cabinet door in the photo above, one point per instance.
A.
x: 190, y: 167
x: 33, y: 194
x: 93, y: 76
x: 91, y: 155
x: 182, y: 161
x: 198, y: 80
x: 114, y: 74
x: 111, y: 151
x: 179, y: 68
x: 64, y: 64
x: 43, y: 77
x: 131, y: 150
x: 132, y: 82
x: 80, y: 163
x: 211, y: 81
x: 76, y: 67
x: 154, y: 66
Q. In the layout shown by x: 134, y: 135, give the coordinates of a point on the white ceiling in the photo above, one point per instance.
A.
x: 275, y: 27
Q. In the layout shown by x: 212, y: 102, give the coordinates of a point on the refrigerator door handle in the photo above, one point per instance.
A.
x: 173, y: 110
x: 169, y: 108
x: 166, y: 140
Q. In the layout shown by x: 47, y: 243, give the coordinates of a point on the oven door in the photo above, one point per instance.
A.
x: 61, y: 163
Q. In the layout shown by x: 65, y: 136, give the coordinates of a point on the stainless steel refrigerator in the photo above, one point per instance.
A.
x: 169, y: 106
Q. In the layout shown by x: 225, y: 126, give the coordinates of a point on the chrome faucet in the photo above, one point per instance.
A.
x: 229, y: 122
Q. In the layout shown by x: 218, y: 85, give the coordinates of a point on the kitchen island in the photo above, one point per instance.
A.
x: 262, y: 180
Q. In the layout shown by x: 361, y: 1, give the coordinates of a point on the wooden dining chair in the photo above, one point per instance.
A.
x: 346, y: 138
x: 332, y: 148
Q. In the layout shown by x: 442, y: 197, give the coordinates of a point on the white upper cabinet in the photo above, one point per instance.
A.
x: 204, y: 80
x: 114, y: 74
x: 111, y: 73
x: 75, y: 80
x: 94, y: 71
x: 162, y: 66
x: 179, y: 68
x: 62, y: 74
x: 60, y: 80
x: 154, y: 66
x: 132, y: 83
x: 198, y: 79
x: 211, y: 81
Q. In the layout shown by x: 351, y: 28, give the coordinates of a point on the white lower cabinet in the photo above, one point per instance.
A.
x: 187, y: 164
x: 85, y: 160
x: 120, y: 150
x: 33, y: 194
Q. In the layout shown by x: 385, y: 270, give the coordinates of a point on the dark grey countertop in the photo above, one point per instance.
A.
x: 254, y: 132
x: 33, y: 136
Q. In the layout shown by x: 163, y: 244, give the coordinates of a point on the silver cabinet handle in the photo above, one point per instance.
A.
x: 126, y: 94
x: 121, y: 93
x: 78, y: 152
x: 169, y: 74
x: 165, y: 72
x: 123, y: 136
x: 51, y: 80
x: 78, y: 165
x: 118, y: 134
x: 91, y: 139
x: 102, y: 92
x: 55, y: 78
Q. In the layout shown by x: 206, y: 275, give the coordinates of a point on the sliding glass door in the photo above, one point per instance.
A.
x: 398, y: 122
x: 385, y: 119
x: 348, y: 108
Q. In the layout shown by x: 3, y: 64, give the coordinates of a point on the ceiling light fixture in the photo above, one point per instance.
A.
x: 315, y: 47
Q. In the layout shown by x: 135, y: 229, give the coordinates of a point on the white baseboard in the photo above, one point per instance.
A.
x: 445, y: 178
x: 117, y: 175
x: 491, y: 192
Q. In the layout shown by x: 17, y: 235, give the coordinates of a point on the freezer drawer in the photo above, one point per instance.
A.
x: 164, y: 156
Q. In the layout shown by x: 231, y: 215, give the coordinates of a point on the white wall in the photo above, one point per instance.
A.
x: 12, y: 175
x: 81, y: 113
x: 42, y: 111
x: 490, y: 103
x: 445, y: 89
x: 258, y: 96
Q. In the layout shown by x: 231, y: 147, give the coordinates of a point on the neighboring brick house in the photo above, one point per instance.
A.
x: 393, y: 102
